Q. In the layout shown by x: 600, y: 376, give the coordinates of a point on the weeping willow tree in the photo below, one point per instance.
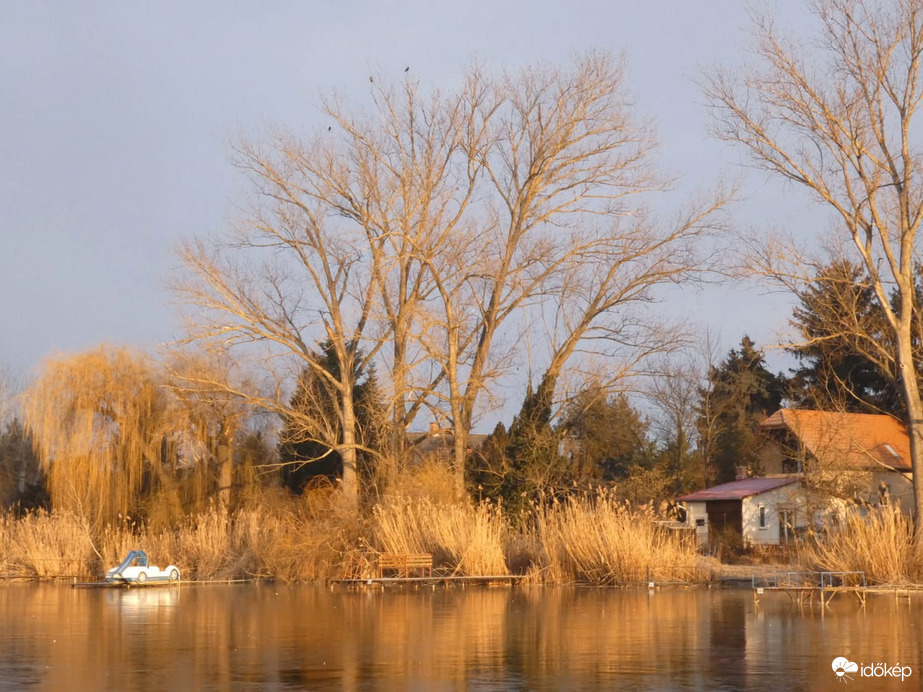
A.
x: 99, y: 420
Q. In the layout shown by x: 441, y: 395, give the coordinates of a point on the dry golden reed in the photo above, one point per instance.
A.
x: 600, y: 540
x: 464, y: 539
x: 44, y: 545
x: 879, y: 543
x: 315, y: 537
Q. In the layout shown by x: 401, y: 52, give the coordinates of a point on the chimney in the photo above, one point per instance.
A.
x: 741, y: 473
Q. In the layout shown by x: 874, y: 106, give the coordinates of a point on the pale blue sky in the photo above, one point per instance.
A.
x: 116, y: 120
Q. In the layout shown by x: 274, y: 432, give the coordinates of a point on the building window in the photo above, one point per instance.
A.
x: 790, y: 465
x: 762, y: 516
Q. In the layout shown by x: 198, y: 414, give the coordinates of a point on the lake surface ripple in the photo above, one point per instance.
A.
x: 270, y: 637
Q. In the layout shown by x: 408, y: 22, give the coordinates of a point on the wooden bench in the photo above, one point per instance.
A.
x: 403, y: 563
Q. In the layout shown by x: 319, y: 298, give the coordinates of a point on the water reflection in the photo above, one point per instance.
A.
x: 277, y: 638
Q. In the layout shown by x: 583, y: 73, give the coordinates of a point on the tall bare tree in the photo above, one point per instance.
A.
x: 559, y: 232
x: 409, y: 185
x: 836, y: 116
x: 423, y: 233
x: 295, y: 273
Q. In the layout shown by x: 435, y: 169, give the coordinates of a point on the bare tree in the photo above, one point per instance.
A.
x: 295, y: 273
x: 559, y: 233
x: 212, y: 403
x: 839, y: 121
x: 423, y: 234
x: 409, y: 185
x: 675, y: 396
x: 709, y: 409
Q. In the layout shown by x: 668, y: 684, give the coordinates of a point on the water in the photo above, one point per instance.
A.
x: 265, y: 637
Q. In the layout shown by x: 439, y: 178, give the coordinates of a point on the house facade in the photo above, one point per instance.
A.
x: 862, y: 457
x: 763, y: 511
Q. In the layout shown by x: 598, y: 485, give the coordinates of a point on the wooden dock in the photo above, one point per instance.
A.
x: 102, y: 584
x: 433, y: 580
x: 803, y: 587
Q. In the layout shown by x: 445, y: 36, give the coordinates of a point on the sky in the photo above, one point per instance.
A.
x: 117, y: 121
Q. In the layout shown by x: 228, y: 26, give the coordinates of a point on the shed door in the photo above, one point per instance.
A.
x: 722, y: 515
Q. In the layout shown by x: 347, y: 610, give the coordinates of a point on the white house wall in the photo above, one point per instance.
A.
x: 898, y: 485
x: 789, y: 497
x: 750, y: 518
x: 696, y: 511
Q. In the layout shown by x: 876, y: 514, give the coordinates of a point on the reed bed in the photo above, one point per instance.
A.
x: 603, y: 541
x: 879, y: 543
x: 45, y: 545
x: 464, y: 538
x: 594, y: 540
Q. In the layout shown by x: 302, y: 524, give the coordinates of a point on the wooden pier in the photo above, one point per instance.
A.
x: 433, y: 580
x: 102, y: 584
x: 803, y: 587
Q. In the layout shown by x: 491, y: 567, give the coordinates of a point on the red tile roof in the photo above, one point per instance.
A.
x: 737, y: 490
x: 847, y: 440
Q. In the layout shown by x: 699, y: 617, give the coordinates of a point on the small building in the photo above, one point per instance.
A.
x: 439, y: 443
x: 762, y: 511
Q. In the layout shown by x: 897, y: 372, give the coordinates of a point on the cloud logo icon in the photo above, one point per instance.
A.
x: 842, y: 666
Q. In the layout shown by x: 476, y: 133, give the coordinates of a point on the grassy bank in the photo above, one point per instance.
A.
x: 588, y: 540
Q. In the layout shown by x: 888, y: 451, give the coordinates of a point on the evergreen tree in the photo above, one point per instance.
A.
x: 845, y: 350
x: 22, y: 482
x: 604, y: 437
x: 302, y: 455
x: 520, y: 465
x: 741, y: 393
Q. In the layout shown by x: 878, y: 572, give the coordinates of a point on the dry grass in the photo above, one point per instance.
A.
x: 291, y: 539
x: 313, y: 537
x: 879, y: 543
x: 42, y: 545
x: 464, y: 538
x: 428, y: 479
x: 604, y: 541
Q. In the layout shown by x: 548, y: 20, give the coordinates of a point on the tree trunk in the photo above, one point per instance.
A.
x: 911, y: 392
x: 350, y: 481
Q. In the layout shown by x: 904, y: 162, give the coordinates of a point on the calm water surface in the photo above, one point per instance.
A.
x: 264, y: 637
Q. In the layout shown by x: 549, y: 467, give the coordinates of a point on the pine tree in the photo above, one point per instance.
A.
x: 742, y: 392
x: 845, y: 349
x: 303, y: 456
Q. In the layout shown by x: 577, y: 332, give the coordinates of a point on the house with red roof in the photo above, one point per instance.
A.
x: 813, y: 464
x: 763, y: 511
x: 857, y: 456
